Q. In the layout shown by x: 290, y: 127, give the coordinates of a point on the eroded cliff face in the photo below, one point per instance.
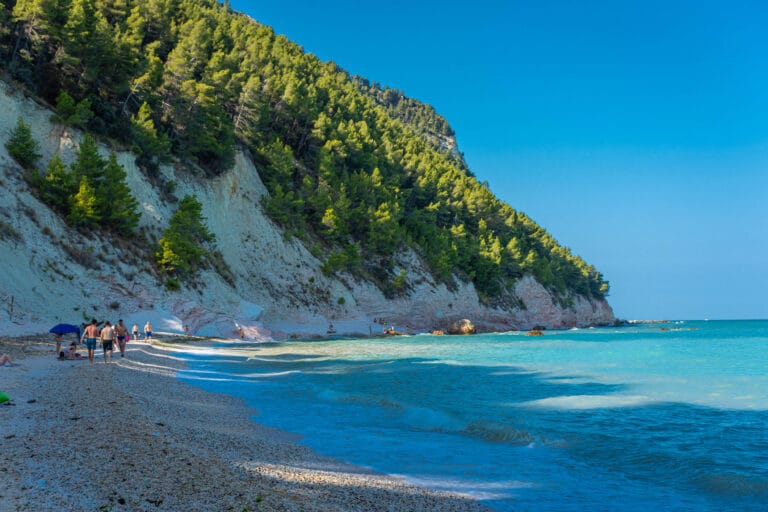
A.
x: 54, y: 273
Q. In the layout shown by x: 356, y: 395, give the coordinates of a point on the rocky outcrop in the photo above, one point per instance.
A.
x: 57, y: 274
x: 462, y: 326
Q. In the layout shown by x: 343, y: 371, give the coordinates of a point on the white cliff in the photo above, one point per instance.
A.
x: 52, y: 273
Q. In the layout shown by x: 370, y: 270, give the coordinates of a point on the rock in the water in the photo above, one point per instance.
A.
x: 462, y: 327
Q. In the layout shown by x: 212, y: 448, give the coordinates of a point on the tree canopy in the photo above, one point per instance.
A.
x: 356, y: 167
x: 92, y: 193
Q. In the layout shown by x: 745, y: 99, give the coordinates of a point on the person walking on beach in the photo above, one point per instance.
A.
x: 107, y: 340
x: 121, y: 331
x: 135, y: 332
x: 90, y: 335
x: 148, y: 332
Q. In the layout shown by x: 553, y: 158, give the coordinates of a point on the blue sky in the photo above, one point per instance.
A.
x: 635, y: 132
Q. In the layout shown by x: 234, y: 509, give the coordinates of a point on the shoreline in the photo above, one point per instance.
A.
x: 164, y: 444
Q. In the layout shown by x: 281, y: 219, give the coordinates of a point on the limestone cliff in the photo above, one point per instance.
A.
x: 53, y: 273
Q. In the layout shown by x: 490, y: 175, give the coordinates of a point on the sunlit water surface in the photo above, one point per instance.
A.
x: 629, y: 418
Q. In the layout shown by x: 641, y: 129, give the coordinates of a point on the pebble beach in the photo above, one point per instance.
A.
x: 130, y: 436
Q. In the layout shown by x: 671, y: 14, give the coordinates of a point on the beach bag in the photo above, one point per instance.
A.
x: 4, y: 398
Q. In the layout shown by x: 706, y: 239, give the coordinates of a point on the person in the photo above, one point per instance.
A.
x: 6, y: 359
x: 121, y: 331
x: 148, y: 332
x: 71, y: 353
x: 107, y: 339
x: 135, y: 332
x: 90, y: 335
x: 57, y: 339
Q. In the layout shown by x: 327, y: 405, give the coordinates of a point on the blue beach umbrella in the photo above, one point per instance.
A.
x: 65, y: 329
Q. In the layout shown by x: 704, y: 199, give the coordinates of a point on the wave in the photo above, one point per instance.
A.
x: 425, y: 418
x: 497, y: 433
x: 329, y: 395
x: 482, y: 490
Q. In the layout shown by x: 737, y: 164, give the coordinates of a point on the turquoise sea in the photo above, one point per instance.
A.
x: 651, y: 416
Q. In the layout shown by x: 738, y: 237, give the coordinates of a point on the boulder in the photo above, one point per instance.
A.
x: 462, y: 327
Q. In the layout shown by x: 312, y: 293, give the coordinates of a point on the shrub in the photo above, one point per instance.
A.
x: 347, y: 258
x: 222, y: 268
x: 8, y: 232
x: 84, y: 257
x: 400, y: 281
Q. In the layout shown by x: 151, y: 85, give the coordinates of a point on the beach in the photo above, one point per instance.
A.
x: 131, y: 436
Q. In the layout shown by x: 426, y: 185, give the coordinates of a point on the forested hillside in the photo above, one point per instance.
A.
x: 355, y: 170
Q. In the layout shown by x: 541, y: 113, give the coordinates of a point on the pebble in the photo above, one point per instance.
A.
x: 86, y: 453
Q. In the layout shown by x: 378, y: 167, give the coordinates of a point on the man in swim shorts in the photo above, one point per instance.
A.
x: 107, y: 338
x: 148, y: 332
x: 121, y: 331
x: 90, y: 336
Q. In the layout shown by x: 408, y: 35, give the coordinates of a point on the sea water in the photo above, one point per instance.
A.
x: 653, y: 416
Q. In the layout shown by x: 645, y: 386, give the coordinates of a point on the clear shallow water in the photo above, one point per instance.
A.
x: 597, y: 419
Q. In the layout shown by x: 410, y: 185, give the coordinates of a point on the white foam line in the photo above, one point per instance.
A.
x: 212, y: 379
x: 580, y: 402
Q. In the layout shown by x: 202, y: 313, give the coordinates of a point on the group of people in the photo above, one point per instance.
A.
x: 106, y: 336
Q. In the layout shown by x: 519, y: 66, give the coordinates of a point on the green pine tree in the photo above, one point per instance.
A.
x: 88, y: 162
x: 72, y: 113
x: 57, y: 185
x: 183, y: 244
x: 22, y: 147
x: 150, y: 143
x: 116, y: 205
x: 83, y: 210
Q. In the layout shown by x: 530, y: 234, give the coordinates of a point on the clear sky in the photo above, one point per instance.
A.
x: 635, y: 132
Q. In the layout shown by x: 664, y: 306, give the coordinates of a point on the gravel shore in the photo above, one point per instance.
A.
x: 129, y: 436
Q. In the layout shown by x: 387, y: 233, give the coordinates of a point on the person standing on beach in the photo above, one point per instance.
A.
x: 135, y: 332
x: 107, y: 340
x: 58, y: 343
x: 90, y: 335
x: 121, y: 331
x: 148, y: 332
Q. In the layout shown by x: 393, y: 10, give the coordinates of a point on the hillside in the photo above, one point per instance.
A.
x: 329, y: 198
